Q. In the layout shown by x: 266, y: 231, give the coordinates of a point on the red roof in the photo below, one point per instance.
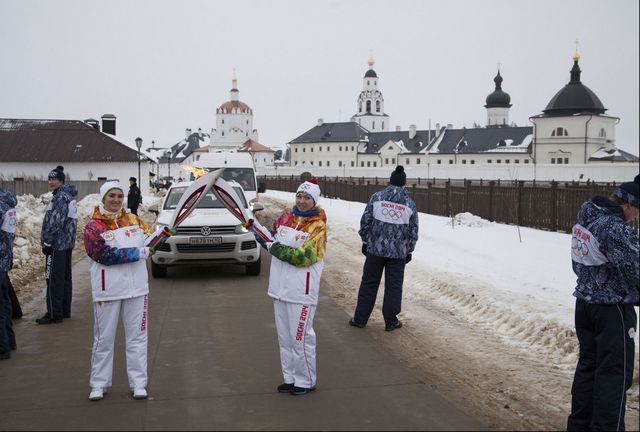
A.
x: 252, y: 146
x: 29, y: 140
x: 229, y: 106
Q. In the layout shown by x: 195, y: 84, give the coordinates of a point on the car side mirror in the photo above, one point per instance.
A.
x: 262, y: 187
x: 256, y: 207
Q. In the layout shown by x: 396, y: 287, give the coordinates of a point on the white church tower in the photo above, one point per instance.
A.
x: 234, y: 123
x: 498, y: 104
x: 371, y: 114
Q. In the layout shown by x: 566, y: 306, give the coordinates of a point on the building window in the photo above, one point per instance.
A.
x: 319, y: 163
x: 417, y: 161
x: 247, y: 122
x: 311, y: 149
x: 526, y: 161
x: 360, y: 106
x: 375, y: 164
x: 353, y: 163
x: 464, y: 161
x: 498, y: 161
x: 450, y: 161
x: 222, y: 133
x: 566, y: 161
x: 386, y: 161
x: 373, y: 125
x: 304, y: 149
x: 559, y: 131
x: 390, y: 147
x: 603, y: 133
x: 296, y: 163
x: 222, y: 121
x: 327, y: 148
x: 507, y: 161
x: 328, y: 163
x: 368, y: 164
x: 489, y: 160
x: 382, y: 125
x: 368, y: 106
x: 377, y: 106
x: 351, y: 148
x: 296, y: 149
x: 439, y: 162
x: 361, y: 164
x: 339, y: 163
x: 393, y: 161
x: 553, y: 160
x: 407, y: 161
x: 516, y: 161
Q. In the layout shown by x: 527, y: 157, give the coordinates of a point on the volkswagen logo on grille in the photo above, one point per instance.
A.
x: 205, y: 231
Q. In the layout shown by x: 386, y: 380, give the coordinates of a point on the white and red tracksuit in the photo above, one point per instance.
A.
x: 120, y: 288
x: 294, y: 284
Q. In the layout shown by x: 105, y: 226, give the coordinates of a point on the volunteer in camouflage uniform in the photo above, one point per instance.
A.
x: 389, y: 232
x: 58, y: 237
x: 7, y: 233
x: 604, y: 253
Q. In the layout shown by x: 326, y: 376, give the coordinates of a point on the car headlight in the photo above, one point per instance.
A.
x: 241, y: 230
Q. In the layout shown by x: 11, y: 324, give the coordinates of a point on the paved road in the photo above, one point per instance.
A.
x: 213, y: 365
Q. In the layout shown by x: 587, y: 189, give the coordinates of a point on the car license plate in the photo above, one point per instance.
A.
x: 205, y: 240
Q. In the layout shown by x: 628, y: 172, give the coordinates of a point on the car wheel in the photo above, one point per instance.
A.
x: 253, y: 269
x: 158, y: 271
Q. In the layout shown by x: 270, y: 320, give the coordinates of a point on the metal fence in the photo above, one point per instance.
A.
x: 550, y: 206
x: 39, y: 187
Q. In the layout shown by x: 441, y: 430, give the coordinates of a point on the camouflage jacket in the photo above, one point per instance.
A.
x: 604, y: 254
x: 7, y: 228
x: 61, y: 219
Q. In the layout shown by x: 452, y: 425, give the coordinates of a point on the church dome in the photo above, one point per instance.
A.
x: 370, y: 74
x: 499, y: 98
x: 234, y: 107
x: 574, y: 97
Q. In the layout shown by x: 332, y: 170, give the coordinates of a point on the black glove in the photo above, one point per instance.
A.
x: 364, y: 249
x: 407, y: 260
x: 47, y: 250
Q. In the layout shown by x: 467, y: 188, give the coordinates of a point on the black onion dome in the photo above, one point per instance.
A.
x: 371, y: 74
x: 499, y: 98
x: 574, y: 98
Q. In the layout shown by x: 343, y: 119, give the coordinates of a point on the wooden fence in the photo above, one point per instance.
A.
x: 550, y: 206
x: 39, y: 187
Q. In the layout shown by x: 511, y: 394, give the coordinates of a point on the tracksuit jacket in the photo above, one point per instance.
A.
x: 7, y: 228
x: 61, y: 219
x: 110, y: 242
x: 300, y: 242
x: 389, y: 224
x: 604, y: 252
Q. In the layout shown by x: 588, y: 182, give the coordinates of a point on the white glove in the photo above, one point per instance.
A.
x: 144, y: 253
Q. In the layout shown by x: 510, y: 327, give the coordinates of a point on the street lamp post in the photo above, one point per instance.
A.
x: 168, y: 155
x: 139, y: 145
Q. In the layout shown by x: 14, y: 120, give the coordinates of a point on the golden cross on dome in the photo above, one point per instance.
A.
x: 576, y: 56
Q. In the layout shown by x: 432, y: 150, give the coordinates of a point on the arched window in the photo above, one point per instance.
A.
x: 560, y: 131
x: 368, y: 106
x: 603, y: 133
x: 377, y: 106
x: 360, y: 106
x: 373, y: 125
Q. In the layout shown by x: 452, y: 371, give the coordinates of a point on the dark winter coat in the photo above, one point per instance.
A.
x: 61, y: 219
x: 389, y: 225
x: 7, y: 228
x: 604, y: 253
x: 134, y: 197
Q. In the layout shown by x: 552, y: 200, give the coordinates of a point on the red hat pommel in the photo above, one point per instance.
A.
x: 313, y: 180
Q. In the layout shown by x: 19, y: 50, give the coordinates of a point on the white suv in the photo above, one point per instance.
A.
x: 209, y: 235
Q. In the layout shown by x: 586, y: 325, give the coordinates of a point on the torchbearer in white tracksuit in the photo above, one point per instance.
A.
x: 114, y: 240
x: 294, y: 282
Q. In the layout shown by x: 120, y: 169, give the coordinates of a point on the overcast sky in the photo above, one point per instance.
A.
x: 164, y: 66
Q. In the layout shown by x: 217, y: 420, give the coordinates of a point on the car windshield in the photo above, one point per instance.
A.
x: 208, y: 202
x: 244, y: 177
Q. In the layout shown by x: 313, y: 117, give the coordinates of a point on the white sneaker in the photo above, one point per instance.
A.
x: 139, y: 393
x: 97, y: 393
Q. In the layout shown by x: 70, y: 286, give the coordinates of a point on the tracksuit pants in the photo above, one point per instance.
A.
x: 59, y: 284
x: 393, y: 279
x: 294, y: 323
x: 134, y: 312
x: 605, y: 366
x: 7, y: 336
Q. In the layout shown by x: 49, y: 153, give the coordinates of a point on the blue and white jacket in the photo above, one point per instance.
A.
x: 604, y: 254
x: 61, y: 219
x: 389, y: 224
x: 7, y: 228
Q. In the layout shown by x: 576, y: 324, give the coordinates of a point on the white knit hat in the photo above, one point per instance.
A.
x: 107, y: 186
x: 311, y: 188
